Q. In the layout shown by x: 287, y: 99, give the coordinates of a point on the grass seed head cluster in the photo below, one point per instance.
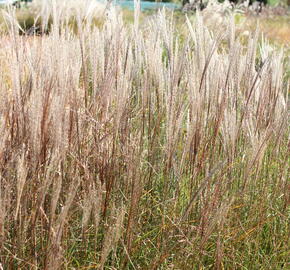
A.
x: 129, y: 147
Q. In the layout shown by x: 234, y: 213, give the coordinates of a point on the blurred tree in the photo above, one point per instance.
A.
x: 202, y: 4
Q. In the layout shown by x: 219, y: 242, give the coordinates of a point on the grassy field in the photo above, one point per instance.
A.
x: 157, y: 144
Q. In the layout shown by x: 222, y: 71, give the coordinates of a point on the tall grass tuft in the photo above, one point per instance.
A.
x: 130, y: 147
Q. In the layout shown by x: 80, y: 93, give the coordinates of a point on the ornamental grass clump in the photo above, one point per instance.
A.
x: 129, y: 147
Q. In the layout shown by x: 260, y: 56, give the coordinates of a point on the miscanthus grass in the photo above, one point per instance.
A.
x: 128, y: 147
